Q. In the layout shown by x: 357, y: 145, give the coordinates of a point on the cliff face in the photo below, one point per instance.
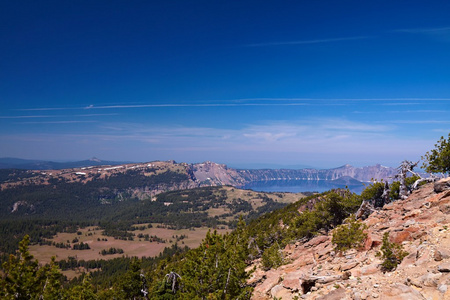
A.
x: 420, y: 223
x: 218, y: 174
x: 362, y: 174
x: 196, y: 175
x: 209, y: 173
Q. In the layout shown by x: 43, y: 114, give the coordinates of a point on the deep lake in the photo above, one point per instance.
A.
x: 298, y: 186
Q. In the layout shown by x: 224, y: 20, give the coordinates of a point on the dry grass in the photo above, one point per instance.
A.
x: 130, y: 248
x: 93, y: 237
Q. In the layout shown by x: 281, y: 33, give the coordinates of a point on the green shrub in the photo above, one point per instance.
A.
x: 349, y: 235
x: 272, y: 257
x: 438, y: 160
x: 394, y: 193
x: 373, y: 191
x: 330, y: 211
x: 391, y: 253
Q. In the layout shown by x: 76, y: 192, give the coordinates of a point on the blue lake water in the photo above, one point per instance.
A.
x: 298, y: 186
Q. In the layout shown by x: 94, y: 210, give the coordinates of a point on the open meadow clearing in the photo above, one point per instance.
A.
x: 97, y: 242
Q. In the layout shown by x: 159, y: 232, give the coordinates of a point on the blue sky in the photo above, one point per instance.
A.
x: 246, y: 83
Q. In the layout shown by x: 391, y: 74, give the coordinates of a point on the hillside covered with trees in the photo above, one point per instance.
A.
x: 218, y: 268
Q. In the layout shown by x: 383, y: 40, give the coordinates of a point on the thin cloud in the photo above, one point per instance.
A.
x: 446, y: 131
x: 420, y: 122
x: 48, y: 108
x: 57, y: 122
x: 195, y: 105
x: 96, y: 115
x: 418, y: 111
x: 242, y: 102
x: 306, y: 42
x: 91, y: 107
x: 316, y: 138
x: 405, y: 103
x: 440, y: 34
x: 423, y: 30
x: 26, y: 117
x: 347, y: 99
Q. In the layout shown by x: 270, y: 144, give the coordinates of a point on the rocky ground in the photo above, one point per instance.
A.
x: 420, y: 223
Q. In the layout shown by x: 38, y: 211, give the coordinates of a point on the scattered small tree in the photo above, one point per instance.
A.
x: 272, y: 257
x: 391, y: 253
x: 438, y: 159
x: 349, y: 235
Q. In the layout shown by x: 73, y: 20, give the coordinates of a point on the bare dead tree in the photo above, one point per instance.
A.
x: 408, y: 167
x: 364, y: 210
x: 386, y: 193
x: 172, y: 278
x: 144, y: 289
x: 405, y: 167
x: 228, y: 280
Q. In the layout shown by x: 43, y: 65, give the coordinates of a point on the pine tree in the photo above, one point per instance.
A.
x: 85, y: 291
x: 216, y: 269
x: 52, y: 287
x: 132, y: 285
x: 438, y: 159
x: 23, y: 278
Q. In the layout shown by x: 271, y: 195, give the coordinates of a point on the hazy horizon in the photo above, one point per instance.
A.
x: 320, y: 84
x: 241, y: 166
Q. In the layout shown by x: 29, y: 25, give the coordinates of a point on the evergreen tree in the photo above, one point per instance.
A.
x: 438, y: 159
x: 132, y: 285
x: 23, y: 278
x: 85, y: 291
x: 53, y: 289
x: 216, y: 269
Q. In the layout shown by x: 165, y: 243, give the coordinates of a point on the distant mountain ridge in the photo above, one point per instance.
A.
x: 214, y: 174
x: 222, y: 175
x: 32, y: 164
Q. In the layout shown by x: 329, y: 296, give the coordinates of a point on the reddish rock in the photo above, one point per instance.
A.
x: 349, y: 265
x: 289, y: 248
x: 302, y: 258
x: 423, y: 274
x: 445, y: 209
x: 444, y: 268
x: 390, y: 206
x: 404, y: 235
x: 273, y: 278
x: 257, y: 277
x: 372, y: 221
x: 430, y: 279
x: 442, y: 185
x: 401, y: 292
x: 441, y: 253
x: 279, y: 292
x: 367, y: 270
x: 292, y: 280
x: 440, y: 199
x: 412, y: 205
x: 408, y: 261
x: 316, y: 241
x: 370, y: 269
x: 412, y: 214
x: 337, y: 294
x: 425, y: 257
x: 372, y: 241
x: 321, y: 253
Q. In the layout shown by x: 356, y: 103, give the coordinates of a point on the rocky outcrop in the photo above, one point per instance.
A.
x: 421, y: 223
x: 218, y: 174
x: 209, y: 173
x: 442, y: 185
x: 362, y: 174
